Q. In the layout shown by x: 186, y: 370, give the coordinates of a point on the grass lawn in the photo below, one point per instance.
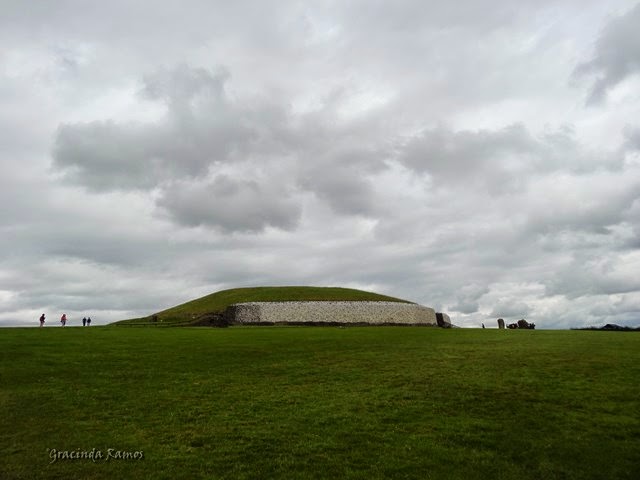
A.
x: 301, y: 402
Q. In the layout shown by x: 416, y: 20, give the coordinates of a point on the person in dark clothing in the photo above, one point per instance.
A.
x: 42, y: 320
x: 88, y: 321
x: 84, y: 321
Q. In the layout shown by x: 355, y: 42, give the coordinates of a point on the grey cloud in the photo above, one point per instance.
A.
x: 497, y: 244
x: 465, y: 306
x: 66, y: 235
x: 627, y: 304
x: 144, y: 29
x: 336, y: 161
x: 413, y: 15
x: 242, y: 205
x: 632, y: 139
x: 81, y: 288
x: 468, y: 298
x: 181, y: 85
x: 502, y: 160
x: 345, y: 190
x: 598, y: 202
x: 204, y: 124
x: 200, y: 129
x: 203, y: 129
x: 597, y: 273
x: 510, y: 308
x: 444, y: 56
x: 104, y: 248
x: 476, y: 16
x: 617, y: 55
x: 107, y: 156
x: 597, y: 310
x: 457, y: 156
x: 626, y: 310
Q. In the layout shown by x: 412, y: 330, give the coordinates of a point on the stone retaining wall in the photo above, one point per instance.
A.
x: 331, y: 313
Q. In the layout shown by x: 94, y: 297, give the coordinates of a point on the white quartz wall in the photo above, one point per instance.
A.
x: 334, y: 312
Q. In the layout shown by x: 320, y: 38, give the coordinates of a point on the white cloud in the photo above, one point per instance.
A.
x: 440, y: 152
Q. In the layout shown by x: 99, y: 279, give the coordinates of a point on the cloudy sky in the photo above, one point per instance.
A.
x: 481, y: 157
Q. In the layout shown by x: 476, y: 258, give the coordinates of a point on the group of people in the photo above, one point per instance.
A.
x: 86, y: 321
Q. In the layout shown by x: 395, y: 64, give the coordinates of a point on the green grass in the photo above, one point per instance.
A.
x: 187, y: 313
x: 287, y: 402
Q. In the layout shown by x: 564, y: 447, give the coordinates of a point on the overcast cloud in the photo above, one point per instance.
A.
x: 480, y: 157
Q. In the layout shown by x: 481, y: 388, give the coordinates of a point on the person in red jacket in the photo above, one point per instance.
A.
x: 63, y: 319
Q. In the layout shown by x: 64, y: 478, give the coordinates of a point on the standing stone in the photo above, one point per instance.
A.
x: 443, y: 320
x: 500, y: 323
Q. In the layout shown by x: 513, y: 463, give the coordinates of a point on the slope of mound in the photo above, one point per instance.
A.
x: 193, y: 312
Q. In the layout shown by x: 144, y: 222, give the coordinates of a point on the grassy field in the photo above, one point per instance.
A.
x: 286, y: 402
x: 188, y: 313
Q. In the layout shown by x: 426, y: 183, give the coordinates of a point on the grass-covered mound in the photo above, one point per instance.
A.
x: 197, y: 312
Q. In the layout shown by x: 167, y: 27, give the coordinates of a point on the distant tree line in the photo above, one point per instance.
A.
x: 611, y: 327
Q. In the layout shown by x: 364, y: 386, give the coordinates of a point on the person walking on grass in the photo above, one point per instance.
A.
x: 84, y: 321
x: 63, y: 319
x: 42, y: 320
x: 88, y: 321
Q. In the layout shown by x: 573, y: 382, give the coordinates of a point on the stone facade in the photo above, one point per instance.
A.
x: 331, y: 313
